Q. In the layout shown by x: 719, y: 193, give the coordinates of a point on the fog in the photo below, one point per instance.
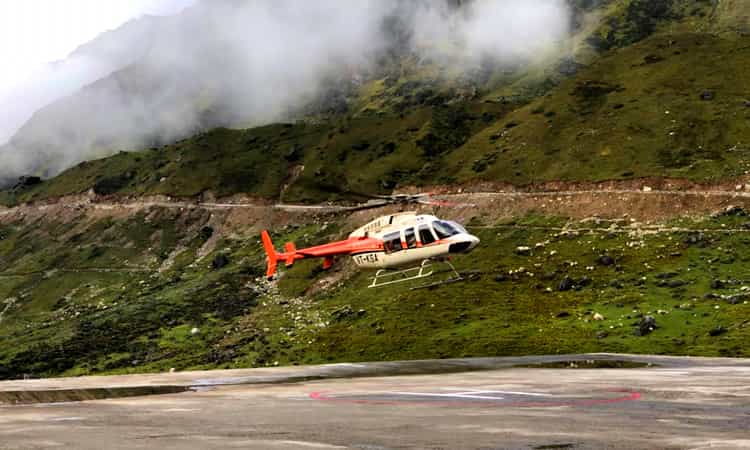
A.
x: 250, y: 62
x: 47, y: 83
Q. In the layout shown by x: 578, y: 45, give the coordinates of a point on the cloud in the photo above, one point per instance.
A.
x: 30, y: 40
x: 242, y: 63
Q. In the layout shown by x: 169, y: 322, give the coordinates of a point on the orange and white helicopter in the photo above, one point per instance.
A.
x: 390, y: 244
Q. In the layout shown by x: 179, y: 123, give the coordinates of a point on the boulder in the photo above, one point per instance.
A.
x: 523, y: 250
x: 696, y: 239
x: 343, y: 313
x: 731, y: 211
x: 671, y: 283
x: 26, y: 182
x: 645, y: 326
x: 549, y: 276
x: 566, y: 284
x: 735, y: 299
x: 206, y: 232
x: 667, y: 275
x: 606, y: 260
x: 220, y: 261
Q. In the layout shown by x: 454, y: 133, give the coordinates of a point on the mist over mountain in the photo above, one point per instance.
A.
x: 109, y: 52
x: 241, y: 63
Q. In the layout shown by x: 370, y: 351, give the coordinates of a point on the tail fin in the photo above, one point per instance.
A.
x: 272, y: 256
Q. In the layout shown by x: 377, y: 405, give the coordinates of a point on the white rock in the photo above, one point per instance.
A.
x: 598, y: 317
x: 647, y: 189
x: 195, y: 331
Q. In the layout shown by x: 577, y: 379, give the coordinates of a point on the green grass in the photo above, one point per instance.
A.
x: 519, y: 316
x: 73, y: 322
x: 624, y: 117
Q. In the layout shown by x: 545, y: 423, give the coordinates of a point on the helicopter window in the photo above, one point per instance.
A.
x: 410, y: 237
x: 392, y: 242
x: 445, y: 229
x: 425, y: 235
x: 458, y: 226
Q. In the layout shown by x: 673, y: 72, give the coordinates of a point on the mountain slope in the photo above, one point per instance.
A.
x: 653, y: 108
x: 103, y: 270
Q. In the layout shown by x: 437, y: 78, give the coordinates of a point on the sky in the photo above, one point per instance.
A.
x: 33, y: 32
x: 36, y: 32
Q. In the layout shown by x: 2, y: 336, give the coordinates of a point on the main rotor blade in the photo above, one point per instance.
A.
x: 446, y: 204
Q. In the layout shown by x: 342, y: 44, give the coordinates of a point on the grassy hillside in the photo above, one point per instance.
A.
x: 112, y: 296
x: 673, y: 105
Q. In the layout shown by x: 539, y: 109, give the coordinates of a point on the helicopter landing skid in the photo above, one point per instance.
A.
x: 385, y: 277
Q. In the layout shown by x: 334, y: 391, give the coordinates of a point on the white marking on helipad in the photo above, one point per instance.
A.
x: 476, y: 395
x: 531, y: 394
x: 65, y: 419
x: 494, y: 391
x: 307, y: 444
x: 472, y: 395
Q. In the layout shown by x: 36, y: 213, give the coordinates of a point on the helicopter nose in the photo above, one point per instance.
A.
x: 464, y: 245
x: 474, y: 241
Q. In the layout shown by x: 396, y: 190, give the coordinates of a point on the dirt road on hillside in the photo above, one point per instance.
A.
x: 639, y: 204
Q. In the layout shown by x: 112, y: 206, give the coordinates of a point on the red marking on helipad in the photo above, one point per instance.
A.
x: 628, y: 397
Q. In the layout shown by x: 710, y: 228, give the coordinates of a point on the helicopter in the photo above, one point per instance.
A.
x: 401, y: 247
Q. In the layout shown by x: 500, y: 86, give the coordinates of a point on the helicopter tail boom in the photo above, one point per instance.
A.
x: 353, y: 245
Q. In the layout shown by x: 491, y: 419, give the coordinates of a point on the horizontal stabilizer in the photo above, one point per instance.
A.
x: 291, y: 250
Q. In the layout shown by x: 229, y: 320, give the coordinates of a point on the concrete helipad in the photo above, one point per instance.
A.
x: 509, y: 403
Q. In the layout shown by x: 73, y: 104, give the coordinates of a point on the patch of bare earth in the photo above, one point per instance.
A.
x: 646, y: 200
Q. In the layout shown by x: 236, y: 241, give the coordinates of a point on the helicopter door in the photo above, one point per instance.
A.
x: 410, y: 237
x: 425, y: 235
x: 392, y: 242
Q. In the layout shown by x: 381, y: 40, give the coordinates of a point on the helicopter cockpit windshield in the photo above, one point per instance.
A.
x: 447, y: 228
